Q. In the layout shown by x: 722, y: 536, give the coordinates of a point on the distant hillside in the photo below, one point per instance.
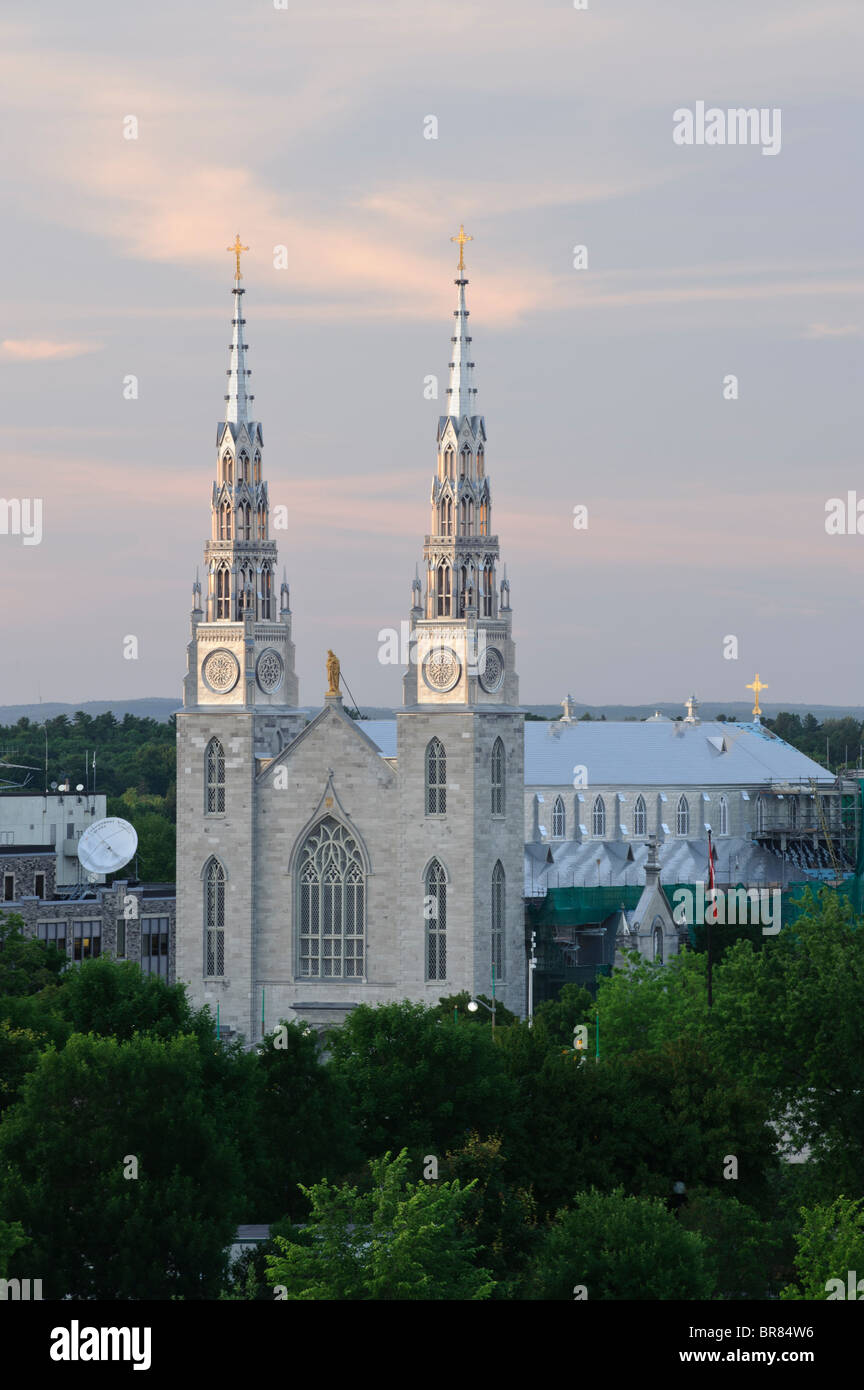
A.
x: 157, y: 708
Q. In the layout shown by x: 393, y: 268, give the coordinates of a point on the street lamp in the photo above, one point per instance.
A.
x: 474, y: 1005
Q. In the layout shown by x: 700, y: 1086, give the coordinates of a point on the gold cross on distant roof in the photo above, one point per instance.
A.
x: 237, y: 248
x: 757, y: 686
x: 461, y: 238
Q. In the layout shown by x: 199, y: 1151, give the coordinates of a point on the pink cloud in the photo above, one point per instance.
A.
x: 43, y: 349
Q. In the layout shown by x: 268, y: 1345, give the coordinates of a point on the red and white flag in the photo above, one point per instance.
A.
x: 712, y: 891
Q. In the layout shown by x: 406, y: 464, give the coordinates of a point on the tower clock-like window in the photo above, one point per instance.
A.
x: 214, y: 919
x: 498, y: 905
x: 214, y: 761
x: 558, y: 819
x: 498, y: 769
x: 436, y: 778
x: 599, y: 817
x: 435, y: 915
x: 332, y: 909
x: 639, y: 817
x: 682, y: 819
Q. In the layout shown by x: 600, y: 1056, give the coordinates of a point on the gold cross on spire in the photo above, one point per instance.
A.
x: 237, y: 248
x: 757, y: 686
x: 461, y: 238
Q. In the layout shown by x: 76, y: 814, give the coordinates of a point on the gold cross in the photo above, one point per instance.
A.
x: 757, y: 686
x: 461, y: 238
x: 237, y: 248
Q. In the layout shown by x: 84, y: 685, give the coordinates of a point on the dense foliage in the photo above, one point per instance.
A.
x: 417, y: 1153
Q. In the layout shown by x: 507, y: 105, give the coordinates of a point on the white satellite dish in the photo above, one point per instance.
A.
x: 107, y: 845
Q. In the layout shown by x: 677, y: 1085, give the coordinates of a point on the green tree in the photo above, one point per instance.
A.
x: 115, y: 999
x: 65, y: 1152
x: 555, y: 1019
x: 418, y: 1081
x: 830, y: 1244
x: 402, y: 1241
x: 26, y: 965
x: 301, y: 1125
x: 501, y: 1219
x: 740, y: 1246
x: 619, y: 1247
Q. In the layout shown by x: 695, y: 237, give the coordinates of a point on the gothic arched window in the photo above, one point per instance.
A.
x: 682, y: 817
x: 658, y: 942
x: 479, y: 463
x: 332, y: 909
x: 262, y: 523
x: 445, y: 523
x: 243, y: 469
x: 214, y: 778
x: 498, y: 917
x: 640, y: 819
x: 435, y: 915
x: 599, y: 816
x: 266, y: 593
x: 484, y: 518
x: 499, y: 764
x: 463, y: 517
x: 443, y: 588
x: 223, y: 592
x: 214, y: 919
x: 760, y: 815
x: 559, y: 819
x: 225, y: 521
x: 723, y: 816
x: 487, y: 591
x: 465, y: 462
x: 436, y: 778
x: 448, y: 463
x: 227, y: 469
x: 257, y: 473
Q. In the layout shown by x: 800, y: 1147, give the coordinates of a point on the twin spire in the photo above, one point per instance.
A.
x: 238, y: 399
x: 461, y: 394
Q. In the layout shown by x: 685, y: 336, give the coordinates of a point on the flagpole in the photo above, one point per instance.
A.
x: 711, y: 913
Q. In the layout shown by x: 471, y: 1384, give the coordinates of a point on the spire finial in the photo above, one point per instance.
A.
x: 237, y: 248
x: 757, y: 687
x: 461, y: 238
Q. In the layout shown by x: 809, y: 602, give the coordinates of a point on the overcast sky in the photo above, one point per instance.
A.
x: 601, y: 387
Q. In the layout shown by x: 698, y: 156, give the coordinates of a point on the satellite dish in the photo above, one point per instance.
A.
x: 107, y: 845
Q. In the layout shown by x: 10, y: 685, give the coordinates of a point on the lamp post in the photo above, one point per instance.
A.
x: 474, y: 1005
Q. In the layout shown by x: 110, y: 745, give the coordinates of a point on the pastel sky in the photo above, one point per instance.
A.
x: 601, y: 387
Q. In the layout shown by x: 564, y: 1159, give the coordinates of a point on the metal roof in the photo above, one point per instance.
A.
x: 648, y: 753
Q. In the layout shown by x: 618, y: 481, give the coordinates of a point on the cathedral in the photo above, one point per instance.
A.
x: 324, y: 862
x: 318, y: 867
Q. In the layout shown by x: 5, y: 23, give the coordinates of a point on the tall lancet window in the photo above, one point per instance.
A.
x: 488, y: 590
x: 484, y: 518
x: 464, y: 582
x: 479, y: 463
x: 463, y: 517
x: 445, y: 523
x: 435, y: 916
x: 723, y: 816
x: 436, y: 778
x: 223, y: 592
x: 464, y: 463
x: 225, y: 521
x: 448, y: 463
x: 332, y: 908
x: 243, y: 469
x: 598, y: 819
x: 214, y: 778
x: 640, y: 820
x: 682, y: 818
x: 559, y: 820
x: 498, y: 918
x: 443, y: 588
x: 266, y: 593
x: 257, y: 473
x: 499, y: 765
x: 262, y: 522
x: 214, y: 918
x: 227, y: 469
